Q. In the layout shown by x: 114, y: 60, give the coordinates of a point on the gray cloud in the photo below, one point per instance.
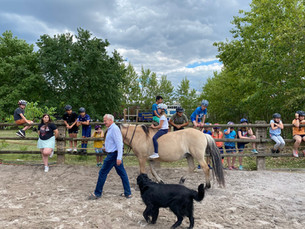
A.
x: 164, y: 36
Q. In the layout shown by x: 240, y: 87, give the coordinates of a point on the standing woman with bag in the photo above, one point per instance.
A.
x: 47, y: 132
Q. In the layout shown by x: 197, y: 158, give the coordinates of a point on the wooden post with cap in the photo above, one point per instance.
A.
x: 261, y: 133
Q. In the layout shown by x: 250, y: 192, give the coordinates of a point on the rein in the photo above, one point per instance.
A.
x: 129, y: 145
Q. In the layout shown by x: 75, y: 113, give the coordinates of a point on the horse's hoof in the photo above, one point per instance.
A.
x: 182, y: 179
x: 207, y: 186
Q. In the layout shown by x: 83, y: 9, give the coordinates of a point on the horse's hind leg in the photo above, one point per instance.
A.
x: 206, y: 171
x: 190, y: 162
x: 154, y: 173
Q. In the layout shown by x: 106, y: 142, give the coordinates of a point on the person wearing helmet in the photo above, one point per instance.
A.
x: 298, y: 132
x: 199, y: 115
x: 156, y: 114
x: 84, y: 120
x: 163, y: 129
x: 20, y: 119
x: 70, y: 120
x: 244, y: 133
x: 179, y: 119
x: 230, y: 146
x: 275, y: 133
x: 98, y: 145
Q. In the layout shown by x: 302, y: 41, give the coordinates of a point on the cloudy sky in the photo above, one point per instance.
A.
x: 173, y: 38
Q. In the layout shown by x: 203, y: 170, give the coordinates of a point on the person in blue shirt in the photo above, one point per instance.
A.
x: 275, y: 133
x: 230, y: 146
x: 199, y: 115
x: 114, y: 149
x: 156, y: 115
x: 84, y: 121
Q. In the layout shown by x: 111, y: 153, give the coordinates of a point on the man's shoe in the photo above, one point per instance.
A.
x: 273, y: 150
x: 154, y: 156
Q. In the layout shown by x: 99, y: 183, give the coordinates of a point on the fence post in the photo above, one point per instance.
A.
x: 125, y: 114
x: 61, y: 143
x: 261, y: 133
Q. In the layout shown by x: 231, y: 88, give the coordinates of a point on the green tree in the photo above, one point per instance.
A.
x: 186, y: 97
x: 264, y: 63
x: 81, y: 72
x: 20, y: 74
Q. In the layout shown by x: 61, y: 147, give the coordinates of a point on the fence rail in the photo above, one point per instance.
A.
x: 261, y: 141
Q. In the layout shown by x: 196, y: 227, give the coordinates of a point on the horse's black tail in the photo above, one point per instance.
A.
x: 198, y: 196
x: 213, y: 150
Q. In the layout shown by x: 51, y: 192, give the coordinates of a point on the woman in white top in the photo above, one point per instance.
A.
x: 163, y: 129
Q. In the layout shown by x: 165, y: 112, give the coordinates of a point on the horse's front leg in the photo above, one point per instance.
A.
x: 142, y: 163
x: 154, y: 173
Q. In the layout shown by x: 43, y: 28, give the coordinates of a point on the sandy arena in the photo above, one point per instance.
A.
x: 32, y: 199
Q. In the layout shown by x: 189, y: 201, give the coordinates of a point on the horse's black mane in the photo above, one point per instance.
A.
x: 145, y: 128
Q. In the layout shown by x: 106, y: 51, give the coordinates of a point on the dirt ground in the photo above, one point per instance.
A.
x: 31, y: 198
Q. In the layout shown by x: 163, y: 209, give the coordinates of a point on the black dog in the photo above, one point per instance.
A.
x: 177, y: 197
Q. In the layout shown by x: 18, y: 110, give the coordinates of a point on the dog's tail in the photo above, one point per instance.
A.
x: 198, y: 196
x: 214, y: 152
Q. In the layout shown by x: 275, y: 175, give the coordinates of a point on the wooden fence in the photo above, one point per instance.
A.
x: 260, y: 131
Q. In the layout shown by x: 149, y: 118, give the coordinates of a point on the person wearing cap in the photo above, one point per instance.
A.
x: 199, y: 115
x: 20, y: 119
x: 245, y: 133
x: 84, y: 121
x: 156, y: 114
x: 298, y: 132
x: 179, y: 119
x: 98, y: 145
x: 70, y: 120
x: 163, y: 129
x: 230, y: 146
x: 275, y: 133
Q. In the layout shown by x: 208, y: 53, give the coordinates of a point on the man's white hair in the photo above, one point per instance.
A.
x: 109, y: 116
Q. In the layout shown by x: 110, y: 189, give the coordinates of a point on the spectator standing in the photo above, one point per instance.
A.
x: 84, y: 121
x: 207, y: 130
x: 47, y: 132
x: 298, y: 132
x: 156, y: 115
x: 98, y: 145
x: 179, y: 119
x: 20, y: 119
x: 275, y: 133
x: 70, y: 120
x: 230, y: 146
x: 114, y: 149
x: 199, y: 115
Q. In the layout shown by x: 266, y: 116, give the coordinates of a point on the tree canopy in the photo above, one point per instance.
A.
x: 20, y: 75
x: 263, y: 64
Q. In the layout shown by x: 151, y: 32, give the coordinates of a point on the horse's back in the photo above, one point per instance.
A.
x: 174, y: 145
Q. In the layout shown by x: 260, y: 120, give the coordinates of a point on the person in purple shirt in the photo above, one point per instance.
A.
x: 114, y: 149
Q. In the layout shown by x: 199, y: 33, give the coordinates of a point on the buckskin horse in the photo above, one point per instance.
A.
x: 173, y: 146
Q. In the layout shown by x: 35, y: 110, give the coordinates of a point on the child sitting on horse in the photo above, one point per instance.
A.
x: 275, y: 133
x: 163, y: 129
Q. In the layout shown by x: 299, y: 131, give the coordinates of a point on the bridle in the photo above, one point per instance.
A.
x: 129, y: 145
